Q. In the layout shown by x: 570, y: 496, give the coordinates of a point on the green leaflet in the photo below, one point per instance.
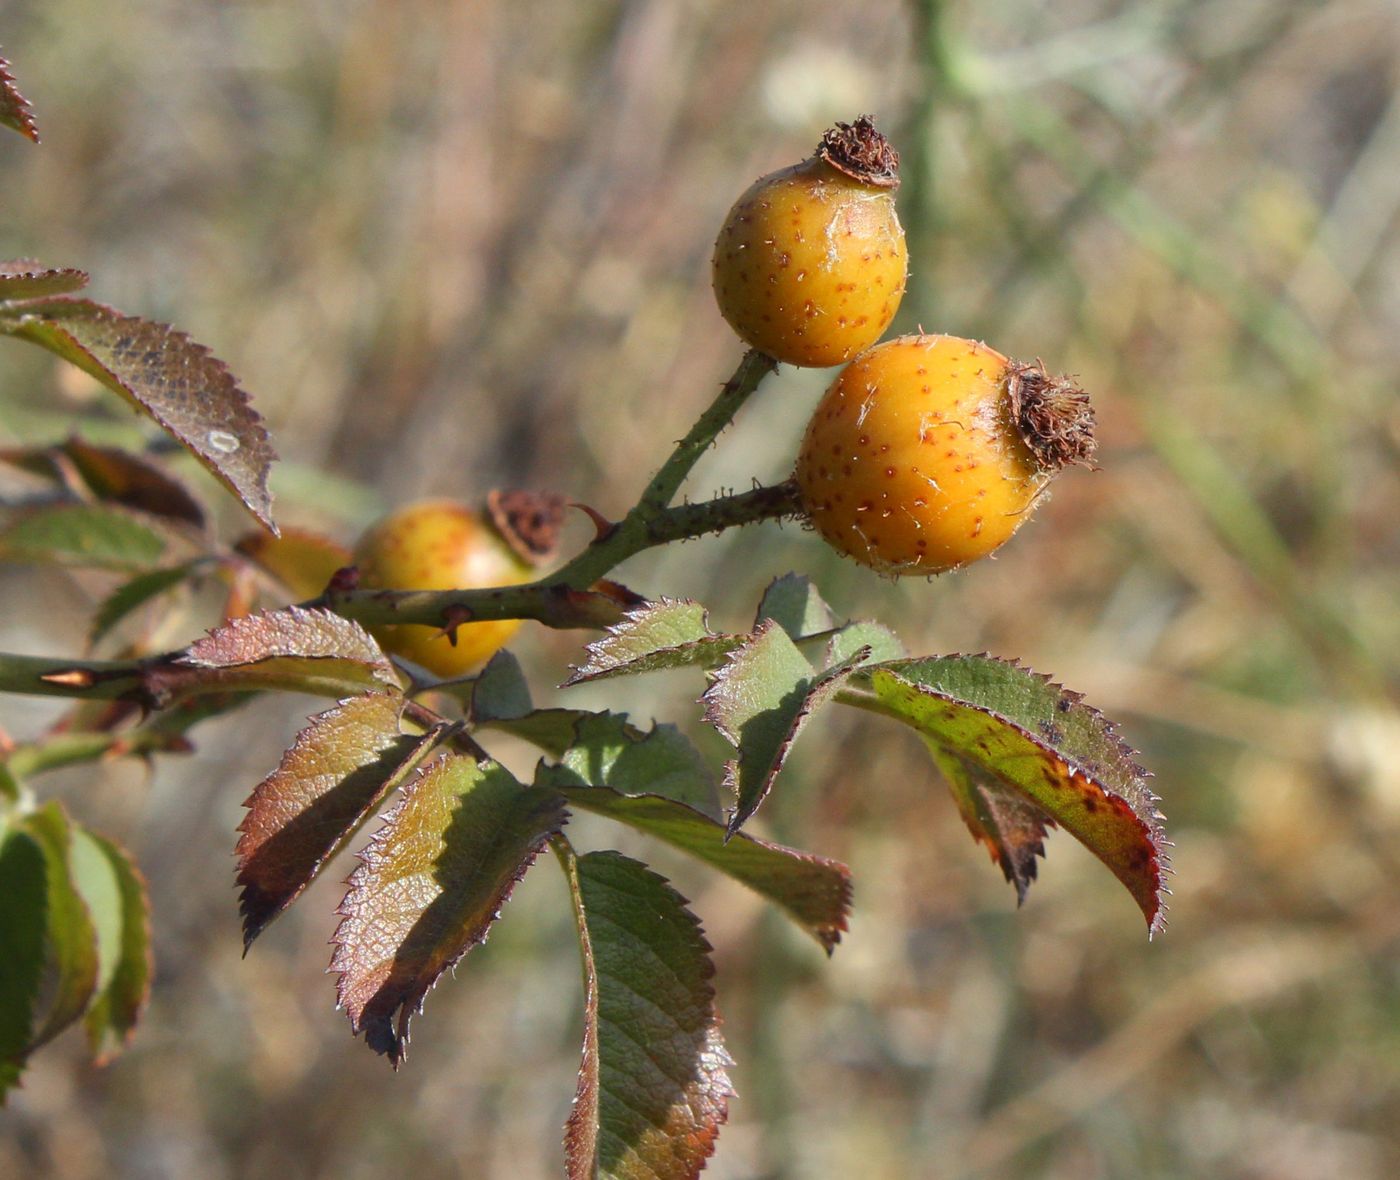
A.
x: 653, y: 1088
x: 1012, y: 740
x: 429, y: 885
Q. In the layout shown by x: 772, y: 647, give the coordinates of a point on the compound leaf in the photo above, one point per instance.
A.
x: 552, y: 730
x: 609, y: 751
x: 298, y: 649
x: 813, y: 891
x: 500, y: 698
x: 668, y: 633
x: 1020, y: 751
x: 430, y: 883
x: 653, y: 1088
x: 339, y: 768
x: 160, y: 370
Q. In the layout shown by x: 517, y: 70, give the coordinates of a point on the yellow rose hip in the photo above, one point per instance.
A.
x: 810, y: 264
x: 440, y: 545
x: 929, y: 452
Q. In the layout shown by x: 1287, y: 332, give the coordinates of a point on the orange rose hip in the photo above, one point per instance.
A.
x: 929, y: 452
x: 440, y: 545
x: 810, y: 264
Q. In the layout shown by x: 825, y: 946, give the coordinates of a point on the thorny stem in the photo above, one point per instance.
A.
x: 564, y: 599
x: 65, y: 749
x: 566, y: 604
x: 774, y: 502
x: 89, y: 679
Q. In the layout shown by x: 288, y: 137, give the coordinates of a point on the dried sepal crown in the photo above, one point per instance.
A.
x: 1053, y: 416
x: 529, y: 522
x: 861, y: 152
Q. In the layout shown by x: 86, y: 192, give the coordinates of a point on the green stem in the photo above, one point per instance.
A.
x: 774, y: 502
x: 13, y: 795
x: 553, y: 605
x: 636, y: 530
x: 568, y: 862
x: 753, y: 367
x: 86, y: 679
x: 71, y: 747
x: 563, y: 599
x: 567, y: 604
x: 454, y: 734
x: 60, y: 750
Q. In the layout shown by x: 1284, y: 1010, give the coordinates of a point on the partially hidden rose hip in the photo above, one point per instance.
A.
x: 445, y: 545
x: 810, y: 264
x: 929, y: 452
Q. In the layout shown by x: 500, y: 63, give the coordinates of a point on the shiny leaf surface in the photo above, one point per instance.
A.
x: 24, y: 278
x: 429, y: 885
x: 653, y: 1088
x: 339, y: 769
x: 813, y: 891
x: 663, y: 634
x: 178, y: 382
x: 315, y: 651
x: 14, y: 107
x: 1013, y: 740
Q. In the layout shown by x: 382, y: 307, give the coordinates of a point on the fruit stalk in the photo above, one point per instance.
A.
x: 664, y: 485
x: 775, y: 502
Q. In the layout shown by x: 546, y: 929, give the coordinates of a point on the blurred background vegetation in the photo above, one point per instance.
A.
x: 451, y: 244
